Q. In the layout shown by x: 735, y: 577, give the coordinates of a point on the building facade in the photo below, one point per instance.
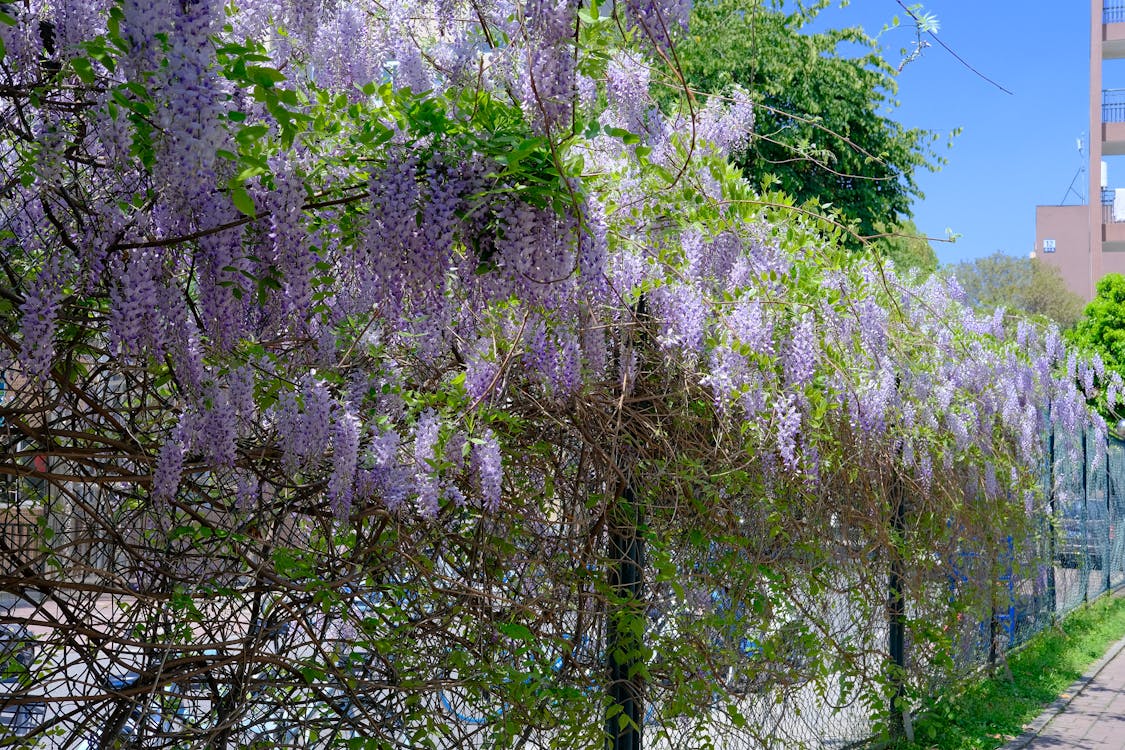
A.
x: 1087, y: 242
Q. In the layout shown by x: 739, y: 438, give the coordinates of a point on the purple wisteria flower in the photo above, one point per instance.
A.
x: 1024, y: 333
x: 169, y: 465
x: 249, y: 491
x: 801, y: 353
x: 455, y: 449
x: 991, y: 485
x: 1113, y: 390
x: 593, y: 249
x: 998, y: 322
x: 659, y: 19
x: 683, y: 311
x: 345, y: 451
x: 304, y: 432
x: 875, y: 398
x: 134, y: 301
x: 426, y: 461
x: 290, y: 242
x: 38, y: 314
x: 627, y: 82
x: 550, y: 84
x: 925, y: 472
x: 909, y: 458
x: 344, y: 28
x: 481, y: 369
x: 75, y: 21
x: 595, y: 349
x: 873, y: 320
x: 727, y: 124
x: 487, y: 463
x: 218, y: 430
x: 726, y: 375
x: 568, y: 372
x: 240, y: 386
x: 787, y: 419
x: 395, y: 196
x: 752, y: 326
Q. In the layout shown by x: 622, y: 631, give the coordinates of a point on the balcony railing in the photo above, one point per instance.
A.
x: 1113, y: 105
x: 1108, y: 195
x: 1113, y: 11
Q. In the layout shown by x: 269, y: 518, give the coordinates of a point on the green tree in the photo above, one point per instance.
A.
x: 1023, y: 284
x: 1102, y: 327
x: 820, y: 131
x: 906, y: 247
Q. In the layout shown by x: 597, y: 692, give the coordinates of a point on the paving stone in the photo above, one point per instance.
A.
x: 1094, y: 718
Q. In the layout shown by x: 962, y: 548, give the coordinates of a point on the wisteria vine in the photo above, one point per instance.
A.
x: 362, y: 256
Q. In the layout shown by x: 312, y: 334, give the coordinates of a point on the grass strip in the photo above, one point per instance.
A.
x: 992, y: 710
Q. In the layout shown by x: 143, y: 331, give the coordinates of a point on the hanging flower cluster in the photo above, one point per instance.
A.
x: 317, y: 223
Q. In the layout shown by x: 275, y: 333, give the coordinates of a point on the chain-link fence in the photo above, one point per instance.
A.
x: 962, y: 608
x: 809, y: 647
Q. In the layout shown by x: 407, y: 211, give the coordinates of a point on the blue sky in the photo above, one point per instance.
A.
x: 1015, y: 151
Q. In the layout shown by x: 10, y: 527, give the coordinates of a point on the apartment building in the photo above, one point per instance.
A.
x: 1088, y: 241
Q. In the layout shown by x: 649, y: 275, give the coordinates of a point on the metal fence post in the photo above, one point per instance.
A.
x: 1107, y: 556
x: 993, y: 631
x: 625, y: 712
x: 1113, y: 500
x: 896, y: 612
x: 1084, y: 520
x: 625, y: 611
x: 1052, y: 595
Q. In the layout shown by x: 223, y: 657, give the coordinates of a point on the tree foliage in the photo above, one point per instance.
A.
x: 1019, y: 284
x: 906, y: 247
x: 1101, y: 330
x: 821, y: 131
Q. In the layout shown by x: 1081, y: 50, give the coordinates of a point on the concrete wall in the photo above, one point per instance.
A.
x: 1113, y: 263
x: 1069, y: 227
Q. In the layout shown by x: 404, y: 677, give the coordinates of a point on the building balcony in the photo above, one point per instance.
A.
x: 1107, y: 205
x: 1113, y: 29
x: 1113, y: 121
x: 1113, y: 105
x: 1113, y: 221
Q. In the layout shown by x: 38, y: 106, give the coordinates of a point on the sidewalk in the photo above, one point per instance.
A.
x: 1089, y: 715
x: 42, y: 618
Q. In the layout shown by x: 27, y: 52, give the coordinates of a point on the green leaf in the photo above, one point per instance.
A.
x: 249, y: 172
x: 627, y: 137
x: 516, y: 631
x: 249, y: 134
x: 242, y: 201
x: 312, y: 674
x: 264, y: 76
x: 83, y: 69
